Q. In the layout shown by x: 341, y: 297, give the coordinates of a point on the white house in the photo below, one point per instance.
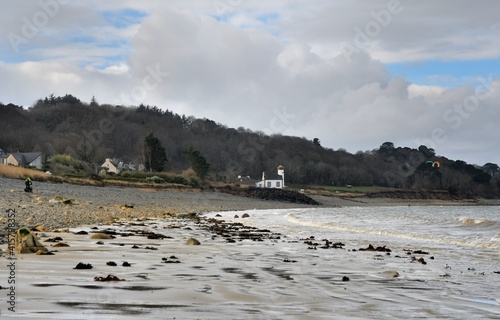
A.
x: 272, y: 180
x: 117, y: 166
x: 3, y: 157
x: 111, y: 165
x: 32, y: 159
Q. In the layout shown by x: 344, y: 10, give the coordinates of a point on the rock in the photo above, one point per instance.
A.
x: 43, y: 253
x: 126, y: 264
x: 40, y: 228
x: 59, y: 199
x: 377, y: 249
x: 420, y: 252
x: 155, y: 236
x: 111, y: 263
x: 422, y: 261
x: 26, y: 242
x: 236, y: 216
x: 391, y: 274
x: 82, y: 266
x: 345, y: 278
x: 101, y: 236
x: 192, y: 242
x: 66, y: 230
x: 245, y: 215
x: 109, y: 277
x: 218, y: 215
x: 60, y: 244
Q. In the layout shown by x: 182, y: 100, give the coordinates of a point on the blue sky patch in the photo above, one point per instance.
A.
x: 449, y: 74
x: 123, y: 18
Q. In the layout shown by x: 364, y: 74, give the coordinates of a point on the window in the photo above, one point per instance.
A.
x: 269, y: 184
x: 278, y: 184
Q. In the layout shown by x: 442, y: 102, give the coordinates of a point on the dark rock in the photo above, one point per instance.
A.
x: 82, y: 232
x: 245, y: 215
x: 420, y: 252
x: 81, y: 265
x: 345, y: 278
x: 109, y: 277
x: 111, y: 263
x: 126, y: 264
x: 377, y: 249
x: 156, y: 236
x: 281, y: 195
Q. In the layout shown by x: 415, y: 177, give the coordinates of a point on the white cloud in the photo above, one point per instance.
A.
x: 273, y: 66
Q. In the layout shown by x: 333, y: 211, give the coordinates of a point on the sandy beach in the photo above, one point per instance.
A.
x: 239, y: 271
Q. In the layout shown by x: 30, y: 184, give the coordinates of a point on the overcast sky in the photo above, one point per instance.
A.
x: 354, y: 74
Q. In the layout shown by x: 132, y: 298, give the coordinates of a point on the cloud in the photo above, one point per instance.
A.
x: 276, y: 67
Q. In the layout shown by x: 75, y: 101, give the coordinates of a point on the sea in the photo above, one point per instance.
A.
x: 460, y: 247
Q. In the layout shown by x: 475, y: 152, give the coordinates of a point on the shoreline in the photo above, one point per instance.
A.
x: 104, y: 205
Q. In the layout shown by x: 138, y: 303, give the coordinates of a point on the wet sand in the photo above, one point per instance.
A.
x: 236, y: 273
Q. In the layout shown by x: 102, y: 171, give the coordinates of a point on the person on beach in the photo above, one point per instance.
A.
x: 28, y: 184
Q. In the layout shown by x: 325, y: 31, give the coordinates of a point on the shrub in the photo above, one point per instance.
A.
x: 155, y: 179
x: 65, y: 164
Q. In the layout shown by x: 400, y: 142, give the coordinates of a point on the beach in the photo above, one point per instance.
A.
x: 280, y: 261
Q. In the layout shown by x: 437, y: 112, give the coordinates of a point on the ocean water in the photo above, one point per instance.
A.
x: 460, y: 280
x: 469, y: 226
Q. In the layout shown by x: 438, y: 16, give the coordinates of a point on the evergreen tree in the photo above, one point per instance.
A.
x: 197, y: 162
x: 155, y: 155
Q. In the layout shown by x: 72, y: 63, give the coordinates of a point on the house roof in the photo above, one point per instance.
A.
x: 3, y: 154
x: 271, y: 175
x: 24, y: 158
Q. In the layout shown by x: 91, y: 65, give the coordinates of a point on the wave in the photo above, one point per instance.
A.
x: 471, y: 222
x: 496, y: 238
x: 469, y: 242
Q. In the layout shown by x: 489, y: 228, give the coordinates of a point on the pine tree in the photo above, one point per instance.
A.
x: 198, y: 162
x: 155, y: 155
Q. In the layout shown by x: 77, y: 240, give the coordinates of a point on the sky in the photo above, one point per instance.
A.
x: 353, y: 74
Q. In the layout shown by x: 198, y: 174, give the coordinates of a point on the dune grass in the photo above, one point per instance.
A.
x: 8, y: 171
x: 12, y: 172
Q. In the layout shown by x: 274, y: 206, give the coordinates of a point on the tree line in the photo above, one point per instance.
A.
x: 91, y: 132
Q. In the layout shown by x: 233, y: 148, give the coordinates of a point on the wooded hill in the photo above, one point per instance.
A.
x: 93, y: 132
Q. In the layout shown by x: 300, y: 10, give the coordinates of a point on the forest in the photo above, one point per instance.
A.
x: 92, y: 132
